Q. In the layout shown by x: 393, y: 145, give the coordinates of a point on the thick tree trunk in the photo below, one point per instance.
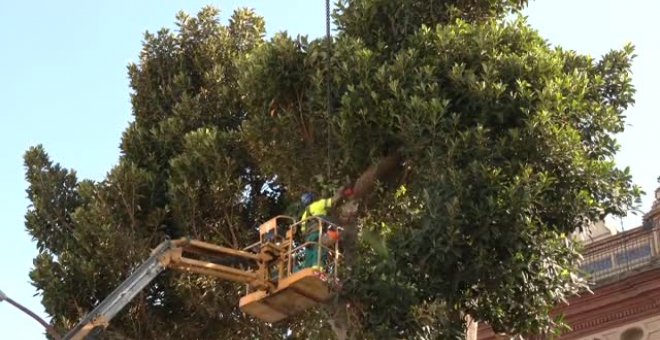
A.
x: 386, y: 168
x: 471, y: 328
x: 339, y: 320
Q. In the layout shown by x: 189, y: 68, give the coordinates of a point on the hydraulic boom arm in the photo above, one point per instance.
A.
x: 276, y: 289
x: 171, y: 254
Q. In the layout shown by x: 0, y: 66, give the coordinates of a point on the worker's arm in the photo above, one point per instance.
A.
x: 340, y: 196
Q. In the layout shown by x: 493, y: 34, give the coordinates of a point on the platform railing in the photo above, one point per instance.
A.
x: 620, y: 254
x: 322, y: 226
x: 295, y: 246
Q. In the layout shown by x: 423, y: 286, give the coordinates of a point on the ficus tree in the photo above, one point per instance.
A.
x: 497, y: 145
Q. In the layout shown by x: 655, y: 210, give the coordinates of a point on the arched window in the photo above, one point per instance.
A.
x: 634, y: 333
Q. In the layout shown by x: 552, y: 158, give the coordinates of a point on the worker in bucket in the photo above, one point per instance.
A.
x: 310, y: 228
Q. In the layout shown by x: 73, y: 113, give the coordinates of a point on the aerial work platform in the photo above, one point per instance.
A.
x: 295, y: 294
x: 297, y: 290
x: 276, y: 286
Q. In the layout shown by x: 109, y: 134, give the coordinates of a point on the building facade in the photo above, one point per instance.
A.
x: 624, y: 268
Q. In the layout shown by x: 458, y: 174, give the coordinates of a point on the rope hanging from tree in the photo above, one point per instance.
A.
x: 328, y: 89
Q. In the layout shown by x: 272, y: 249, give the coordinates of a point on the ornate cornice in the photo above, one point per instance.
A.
x: 631, y: 299
x: 618, y: 303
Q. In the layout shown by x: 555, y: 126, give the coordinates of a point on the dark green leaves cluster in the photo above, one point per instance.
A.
x: 508, y: 146
x: 385, y: 25
x: 183, y: 171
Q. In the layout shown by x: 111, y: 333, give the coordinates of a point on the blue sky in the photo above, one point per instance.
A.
x: 64, y: 84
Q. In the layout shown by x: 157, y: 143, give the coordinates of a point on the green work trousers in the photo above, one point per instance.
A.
x: 312, y: 251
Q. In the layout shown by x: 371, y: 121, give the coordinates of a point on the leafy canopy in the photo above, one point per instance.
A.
x: 507, y: 144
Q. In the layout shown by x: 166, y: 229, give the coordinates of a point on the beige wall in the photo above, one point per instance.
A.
x: 596, y: 231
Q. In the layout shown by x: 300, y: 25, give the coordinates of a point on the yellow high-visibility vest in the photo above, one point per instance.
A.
x: 317, y: 208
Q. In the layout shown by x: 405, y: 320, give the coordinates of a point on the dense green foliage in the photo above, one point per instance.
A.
x: 508, y: 146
